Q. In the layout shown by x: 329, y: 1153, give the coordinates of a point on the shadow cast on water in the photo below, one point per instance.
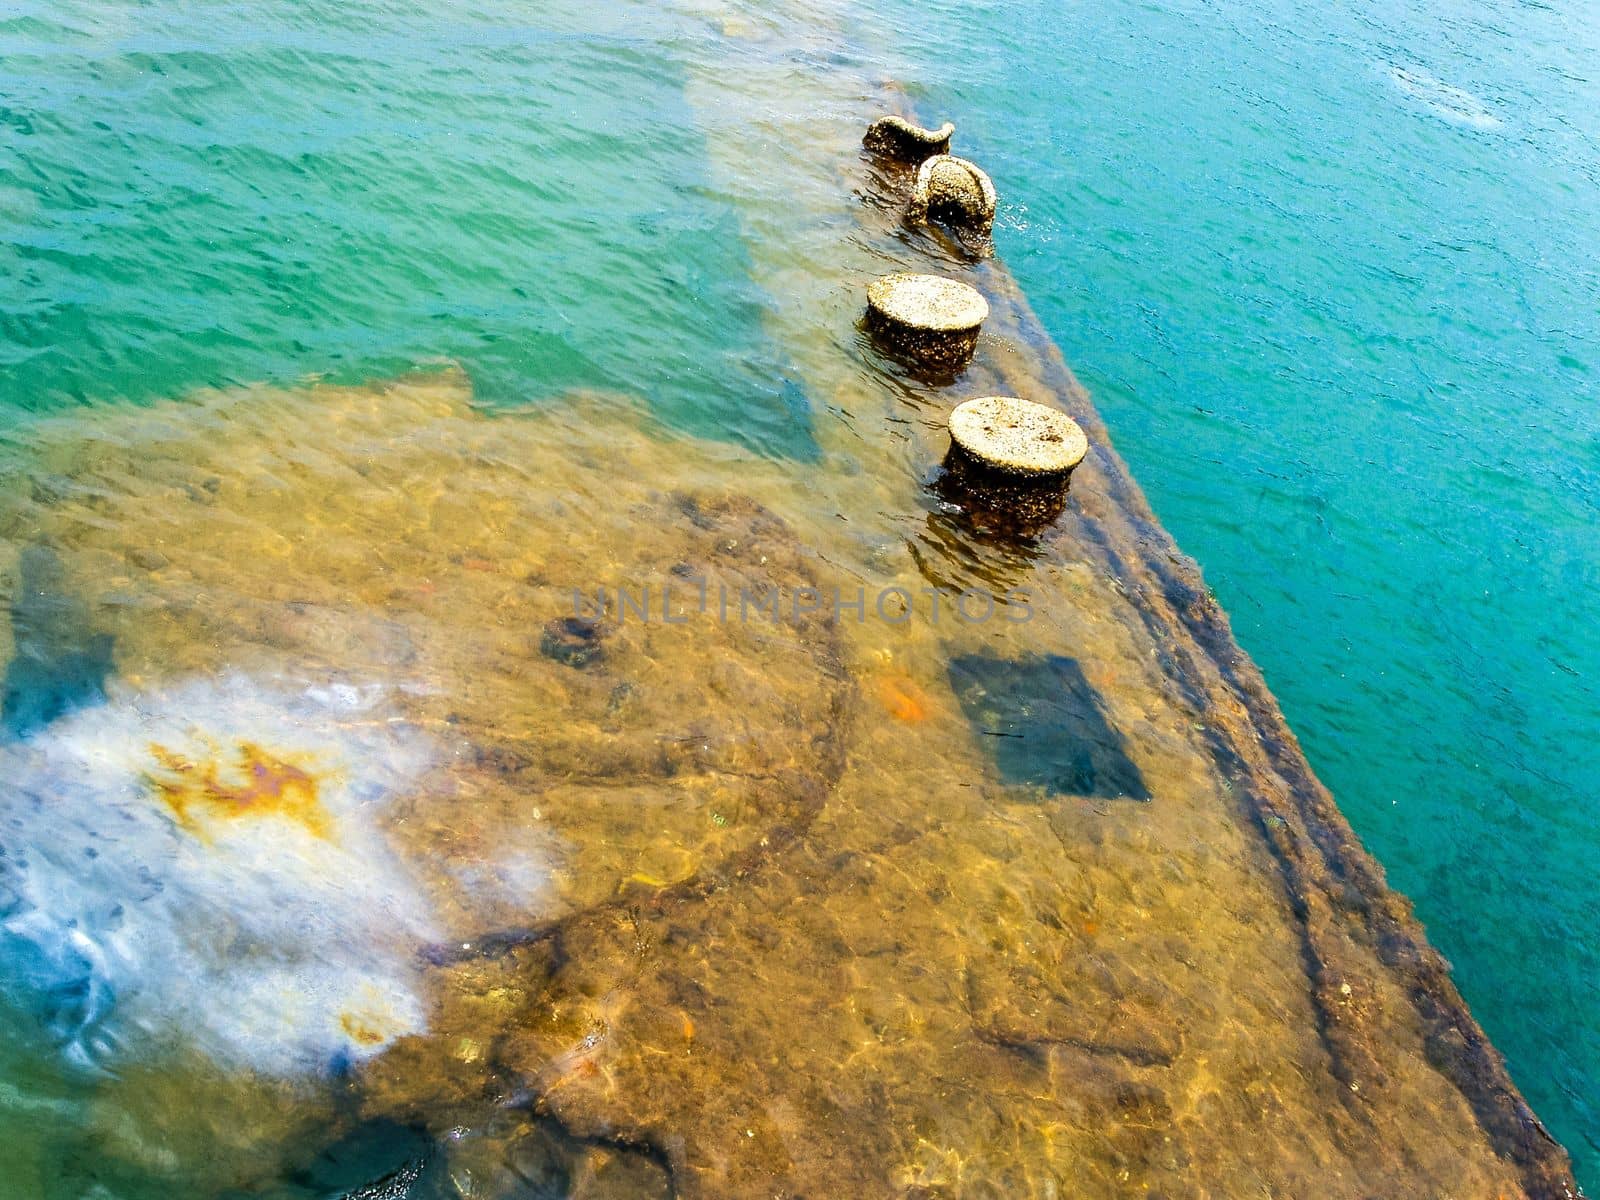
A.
x: 60, y: 662
x: 1045, y: 726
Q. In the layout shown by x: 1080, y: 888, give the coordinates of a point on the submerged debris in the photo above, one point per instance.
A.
x: 1046, y: 726
x: 573, y: 641
x: 943, y: 890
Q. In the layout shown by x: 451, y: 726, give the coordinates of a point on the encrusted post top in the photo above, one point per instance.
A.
x: 897, y: 137
x: 1018, y: 437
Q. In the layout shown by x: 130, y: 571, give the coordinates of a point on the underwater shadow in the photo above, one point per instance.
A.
x: 1045, y: 726
x: 60, y: 663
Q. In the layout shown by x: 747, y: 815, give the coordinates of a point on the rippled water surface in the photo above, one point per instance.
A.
x: 342, y: 855
x: 232, y: 192
x: 1331, y: 276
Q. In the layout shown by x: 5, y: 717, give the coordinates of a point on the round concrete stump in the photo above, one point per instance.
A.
x: 956, y: 192
x: 898, y: 138
x: 1009, y: 464
x: 927, y: 318
x: 1018, y: 437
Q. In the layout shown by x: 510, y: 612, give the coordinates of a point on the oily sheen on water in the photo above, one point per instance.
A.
x: 204, y: 862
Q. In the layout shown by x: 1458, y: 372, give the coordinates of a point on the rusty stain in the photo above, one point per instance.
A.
x: 581, y: 1061
x: 261, y: 784
x: 359, y: 1031
x: 903, y: 699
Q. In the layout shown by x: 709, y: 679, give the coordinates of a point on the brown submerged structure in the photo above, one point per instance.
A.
x: 1030, y: 895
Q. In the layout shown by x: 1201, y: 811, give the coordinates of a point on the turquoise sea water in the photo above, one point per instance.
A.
x: 208, y: 195
x: 1332, y: 275
x: 199, y: 195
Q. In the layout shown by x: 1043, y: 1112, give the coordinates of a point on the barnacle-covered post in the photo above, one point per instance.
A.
x: 955, y: 192
x: 929, y: 319
x: 898, y: 138
x: 1010, y: 460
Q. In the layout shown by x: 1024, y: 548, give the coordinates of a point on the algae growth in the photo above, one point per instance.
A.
x: 415, y: 874
x: 392, y: 847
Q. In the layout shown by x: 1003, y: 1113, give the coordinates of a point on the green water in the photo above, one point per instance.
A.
x: 1345, y: 325
x: 221, y: 193
x: 208, y: 195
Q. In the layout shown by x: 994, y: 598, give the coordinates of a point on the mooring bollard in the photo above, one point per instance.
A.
x: 1018, y: 437
x: 927, y: 318
x: 1010, y: 461
x: 898, y: 138
x: 954, y: 191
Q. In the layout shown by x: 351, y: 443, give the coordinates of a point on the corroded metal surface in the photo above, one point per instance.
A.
x: 723, y: 908
x: 1383, y: 1002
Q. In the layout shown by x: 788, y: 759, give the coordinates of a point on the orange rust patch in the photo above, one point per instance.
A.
x: 568, y: 1068
x: 258, y: 784
x: 359, y: 1032
x: 903, y: 699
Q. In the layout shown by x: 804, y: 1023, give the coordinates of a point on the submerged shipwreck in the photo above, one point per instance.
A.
x: 343, y: 844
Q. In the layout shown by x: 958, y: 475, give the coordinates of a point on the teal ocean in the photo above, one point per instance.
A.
x: 1331, y: 274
